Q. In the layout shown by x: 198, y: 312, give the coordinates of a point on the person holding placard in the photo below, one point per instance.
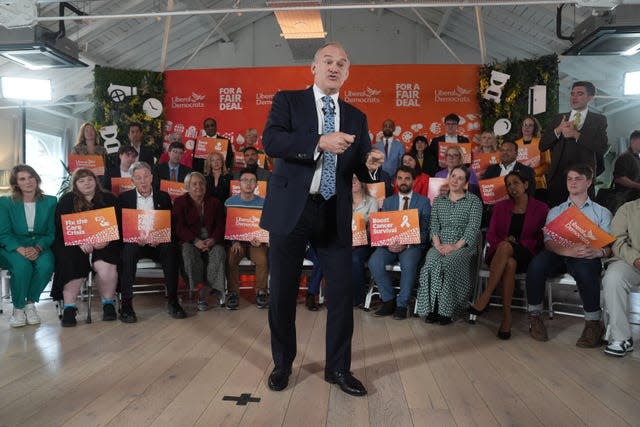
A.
x: 530, y: 140
x: 142, y: 197
x: 198, y: 219
x: 454, y: 158
x: 127, y: 155
x: 210, y: 127
x: 446, y: 278
x: 513, y: 238
x: 72, y: 262
x: 26, y: 235
x: 251, y: 163
x: 451, y: 123
x: 254, y: 250
x: 87, y: 142
x: 363, y: 204
x: 217, y: 176
x: 583, y: 262
x: 171, y: 170
x: 508, y: 163
x: 408, y: 255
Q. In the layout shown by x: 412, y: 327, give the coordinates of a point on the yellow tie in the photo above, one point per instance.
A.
x: 576, y: 120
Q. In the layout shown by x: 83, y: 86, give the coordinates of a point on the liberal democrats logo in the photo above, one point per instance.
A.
x: 366, y: 96
x: 194, y: 101
x: 459, y: 94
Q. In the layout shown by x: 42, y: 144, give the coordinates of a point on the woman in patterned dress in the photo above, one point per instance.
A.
x: 446, y: 277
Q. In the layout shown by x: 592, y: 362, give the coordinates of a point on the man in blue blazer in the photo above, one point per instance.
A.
x: 171, y: 170
x: 318, y: 142
x: 391, y: 147
x: 408, y: 255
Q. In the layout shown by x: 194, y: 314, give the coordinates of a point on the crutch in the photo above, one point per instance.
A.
x: 89, y: 284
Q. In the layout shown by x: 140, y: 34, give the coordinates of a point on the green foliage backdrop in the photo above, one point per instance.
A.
x: 149, y: 84
x: 515, y: 94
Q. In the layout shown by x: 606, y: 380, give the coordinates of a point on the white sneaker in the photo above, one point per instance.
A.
x: 619, y: 348
x: 32, y: 314
x: 18, y: 318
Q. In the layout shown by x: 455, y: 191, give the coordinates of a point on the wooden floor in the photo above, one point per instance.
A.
x: 165, y: 372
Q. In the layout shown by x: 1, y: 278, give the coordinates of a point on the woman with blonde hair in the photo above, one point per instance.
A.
x: 26, y: 235
x: 531, y: 133
x: 217, y: 176
x: 88, y: 142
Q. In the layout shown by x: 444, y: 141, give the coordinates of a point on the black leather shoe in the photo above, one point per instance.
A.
x: 127, y: 315
x: 347, y: 382
x: 400, y: 313
x: 311, y: 303
x: 444, y: 320
x: 387, y: 309
x: 432, y: 317
x: 175, y: 310
x: 279, y: 379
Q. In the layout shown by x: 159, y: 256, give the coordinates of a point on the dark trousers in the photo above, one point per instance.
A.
x: 316, y: 225
x: 165, y: 253
x: 586, y: 272
x: 359, y: 257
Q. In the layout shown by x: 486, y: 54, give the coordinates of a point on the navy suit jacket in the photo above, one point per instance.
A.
x: 162, y: 171
x: 525, y: 172
x: 291, y: 136
x: 417, y: 201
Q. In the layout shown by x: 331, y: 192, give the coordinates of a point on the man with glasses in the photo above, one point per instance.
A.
x: 254, y: 250
x: 508, y: 155
x: 581, y: 261
x: 451, y: 122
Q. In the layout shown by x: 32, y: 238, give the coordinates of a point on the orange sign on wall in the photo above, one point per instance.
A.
x: 493, y: 190
x: 358, y: 230
x: 148, y: 226
x: 243, y: 224
x: 261, y: 189
x: 90, y: 227
x: 95, y: 163
x: 573, y: 227
x: 400, y: 227
x: 120, y: 185
x: 173, y: 188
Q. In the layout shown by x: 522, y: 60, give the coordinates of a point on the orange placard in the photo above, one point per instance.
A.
x: 90, y: 227
x: 464, y: 146
x: 244, y: 224
x: 238, y: 160
x: 359, y: 230
x: 173, y: 188
x: 493, y: 190
x: 529, y: 154
x: 95, y: 163
x: 148, y: 225
x: 377, y: 191
x: 206, y: 145
x: 435, y: 187
x: 573, y: 227
x: 481, y: 161
x: 120, y: 185
x: 401, y: 227
x: 261, y: 189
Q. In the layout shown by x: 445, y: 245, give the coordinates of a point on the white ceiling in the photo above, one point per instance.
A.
x: 511, y: 29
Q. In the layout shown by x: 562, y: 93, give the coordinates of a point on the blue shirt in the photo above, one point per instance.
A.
x: 237, y: 202
x: 596, y: 213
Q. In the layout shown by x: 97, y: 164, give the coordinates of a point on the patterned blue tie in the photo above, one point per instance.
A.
x: 328, y: 177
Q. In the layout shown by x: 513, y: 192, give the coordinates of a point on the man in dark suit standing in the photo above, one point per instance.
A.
x: 508, y: 163
x: 145, y: 153
x: 171, y: 170
x: 210, y: 127
x: 144, y: 198
x: 318, y: 143
x: 578, y: 136
x: 451, y: 122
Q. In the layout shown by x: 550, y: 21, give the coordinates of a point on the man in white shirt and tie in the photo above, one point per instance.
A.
x: 391, y: 147
x: 578, y: 136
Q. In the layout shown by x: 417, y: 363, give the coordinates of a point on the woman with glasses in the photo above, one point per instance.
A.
x: 453, y: 159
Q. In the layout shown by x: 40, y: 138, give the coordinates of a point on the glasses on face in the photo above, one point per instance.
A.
x: 528, y: 125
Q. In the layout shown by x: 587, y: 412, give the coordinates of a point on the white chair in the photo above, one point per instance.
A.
x: 5, y: 288
x: 563, y: 280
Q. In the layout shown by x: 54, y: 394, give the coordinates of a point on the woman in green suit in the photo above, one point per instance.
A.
x: 26, y: 235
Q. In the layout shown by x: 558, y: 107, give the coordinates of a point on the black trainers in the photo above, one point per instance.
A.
x: 400, y: 313
x: 232, y: 301
x: 108, y: 312
x: 262, y: 299
x: 175, y: 310
x: 127, y: 315
x: 387, y: 309
x: 69, y: 317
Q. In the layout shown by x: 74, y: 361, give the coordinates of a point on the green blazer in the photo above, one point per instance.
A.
x: 13, y: 224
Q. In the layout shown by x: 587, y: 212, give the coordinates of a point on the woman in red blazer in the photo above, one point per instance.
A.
x: 513, y: 238
x: 198, y: 219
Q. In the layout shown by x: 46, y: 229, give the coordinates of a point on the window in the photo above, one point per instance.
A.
x: 44, y: 153
x: 632, y: 83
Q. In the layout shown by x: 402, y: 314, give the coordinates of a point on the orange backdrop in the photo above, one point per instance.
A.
x: 416, y: 97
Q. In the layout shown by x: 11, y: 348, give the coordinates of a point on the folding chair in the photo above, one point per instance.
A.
x: 5, y: 287
x: 86, y: 292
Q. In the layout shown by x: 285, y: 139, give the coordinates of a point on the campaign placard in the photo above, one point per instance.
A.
x: 377, y: 191
x: 359, y: 230
x: 90, y: 227
x: 173, y: 188
x: 493, y: 190
x: 481, y: 161
x: 401, y: 227
x: 261, y: 189
x: 146, y: 225
x: 435, y: 187
x: 244, y: 224
x: 573, y: 227
x: 95, y: 163
x: 444, y: 146
x: 529, y: 154
x: 206, y: 145
x: 120, y: 185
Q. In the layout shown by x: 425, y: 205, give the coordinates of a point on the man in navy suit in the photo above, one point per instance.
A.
x: 145, y: 153
x: 409, y: 255
x: 318, y: 142
x: 171, y: 170
x: 143, y: 197
x: 578, y: 136
x: 451, y: 123
x: 391, y: 147
x: 508, y: 163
